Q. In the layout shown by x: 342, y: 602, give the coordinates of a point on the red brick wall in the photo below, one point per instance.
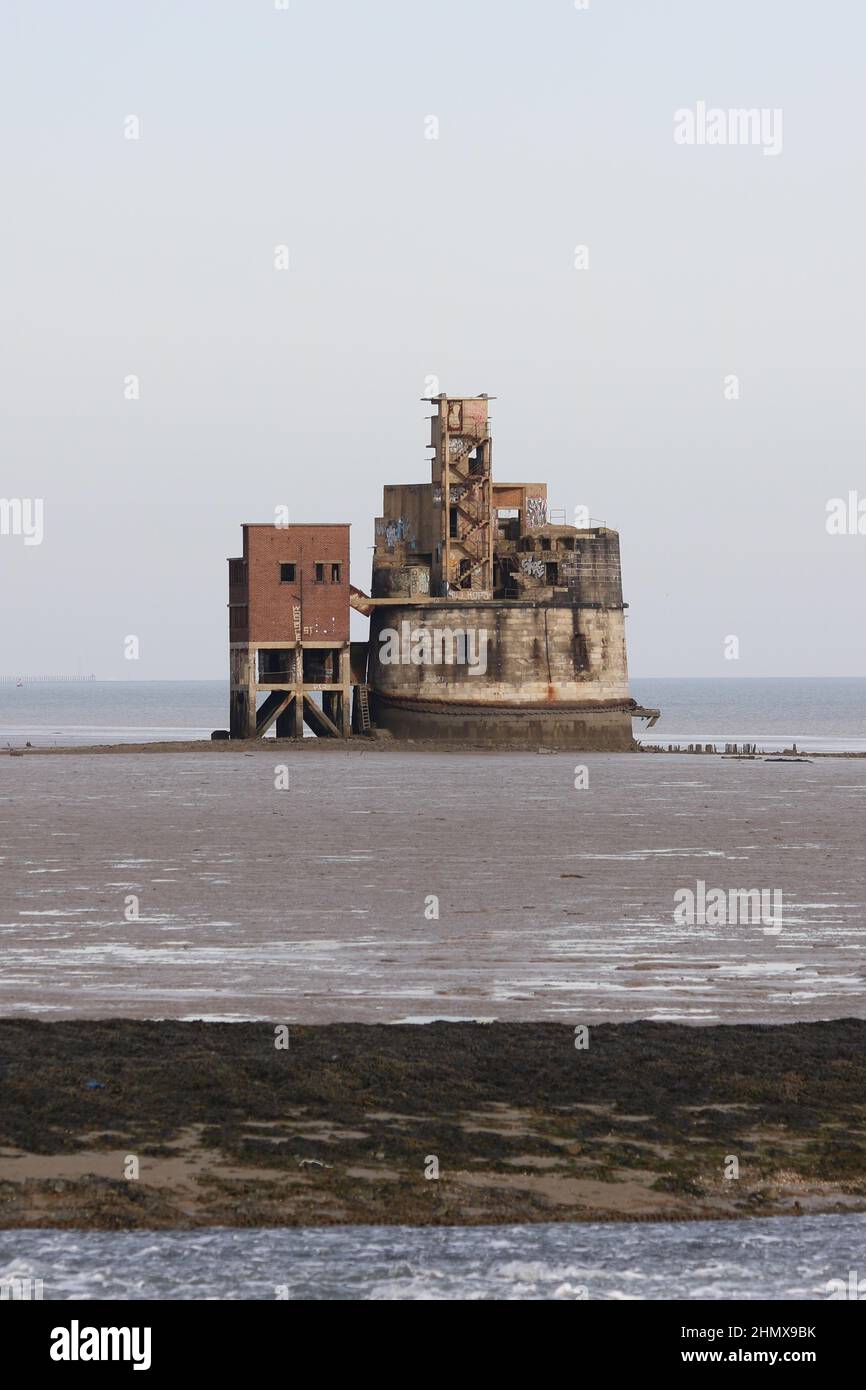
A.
x: 324, y: 607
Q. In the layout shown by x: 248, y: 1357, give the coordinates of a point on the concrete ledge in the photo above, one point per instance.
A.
x: 561, y: 727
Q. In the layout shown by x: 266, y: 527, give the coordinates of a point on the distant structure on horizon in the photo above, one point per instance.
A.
x: 45, y: 680
x: 489, y: 622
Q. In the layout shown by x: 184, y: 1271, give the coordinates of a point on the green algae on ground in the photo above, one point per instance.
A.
x: 342, y: 1125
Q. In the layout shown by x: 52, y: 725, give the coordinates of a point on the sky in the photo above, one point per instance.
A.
x: 694, y: 377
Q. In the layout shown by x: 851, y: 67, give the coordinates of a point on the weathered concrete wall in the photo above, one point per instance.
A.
x: 408, y: 518
x: 406, y: 580
x: 518, y: 655
x: 558, y: 727
x: 593, y: 572
x: 584, y: 564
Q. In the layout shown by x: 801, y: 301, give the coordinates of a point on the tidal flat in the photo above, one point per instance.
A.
x: 334, y: 884
x: 166, y: 913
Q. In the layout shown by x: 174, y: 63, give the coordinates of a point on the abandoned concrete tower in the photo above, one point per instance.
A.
x: 489, y: 622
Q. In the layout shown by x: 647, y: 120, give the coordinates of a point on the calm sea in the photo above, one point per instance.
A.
x: 816, y: 714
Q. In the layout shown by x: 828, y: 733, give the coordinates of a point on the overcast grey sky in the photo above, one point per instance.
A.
x: 412, y: 257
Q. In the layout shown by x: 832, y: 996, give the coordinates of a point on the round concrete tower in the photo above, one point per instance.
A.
x: 488, y: 622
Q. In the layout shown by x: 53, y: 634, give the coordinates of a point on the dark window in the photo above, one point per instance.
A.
x: 551, y: 572
x: 238, y: 618
x: 335, y: 574
x: 452, y: 517
x: 320, y: 574
x: 287, y: 574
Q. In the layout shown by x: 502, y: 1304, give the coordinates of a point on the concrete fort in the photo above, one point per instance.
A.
x: 533, y: 673
x: 491, y: 619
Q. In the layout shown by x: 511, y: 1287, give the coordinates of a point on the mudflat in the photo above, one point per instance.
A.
x: 351, y: 883
x: 123, y: 1123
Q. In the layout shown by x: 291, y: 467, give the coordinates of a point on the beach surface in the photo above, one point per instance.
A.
x: 342, y: 883
x: 111, y: 1125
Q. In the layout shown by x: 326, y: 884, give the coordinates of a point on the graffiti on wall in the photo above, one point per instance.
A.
x: 534, y: 568
x: 395, y: 531
x: 536, y: 513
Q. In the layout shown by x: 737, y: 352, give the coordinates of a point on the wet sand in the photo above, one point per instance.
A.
x: 313, y: 904
x: 343, y: 1126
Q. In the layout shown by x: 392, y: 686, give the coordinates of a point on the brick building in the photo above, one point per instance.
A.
x: 289, y: 631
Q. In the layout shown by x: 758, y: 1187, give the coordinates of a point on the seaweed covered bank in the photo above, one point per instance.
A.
x: 121, y: 1124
